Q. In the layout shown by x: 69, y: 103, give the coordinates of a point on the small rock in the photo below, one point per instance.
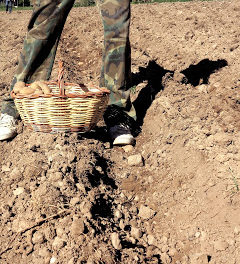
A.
x: 136, y: 258
x: 151, y: 240
x: 202, y: 88
x: 18, y: 191
x: 236, y: 230
x: 164, y: 248
x: 172, y: 252
x: 75, y: 200
x: 81, y: 187
x: 145, y: 212
x: 201, y: 147
x: 53, y: 260
x: 197, y: 234
x: 203, y: 236
x: 144, y: 237
x: 49, y: 233
x: 132, y: 240
x: 60, y: 232
x: 58, y: 243
x: 44, y: 252
x: 77, y: 227
x: 121, y: 224
x: 165, y: 258
x: 117, y: 214
x: 38, y: 238
x: 20, y: 224
x: 14, y: 173
x: 6, y: 168
x: 135, y: 160
x: 116, y: 241
x: 220, y: 245
x: 99, y: 169
x: 85, y: 207
x: 137, y: 198
x: 164, y: 240
x: 55, y: 176
x: 136, y: 232
x: 71, y: 156
x: 150, y: 179
x: 128, y: 148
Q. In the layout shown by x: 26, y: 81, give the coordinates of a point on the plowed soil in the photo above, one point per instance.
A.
x: 174, y: 197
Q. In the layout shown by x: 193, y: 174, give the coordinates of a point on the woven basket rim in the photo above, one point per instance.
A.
x: 102, y: 91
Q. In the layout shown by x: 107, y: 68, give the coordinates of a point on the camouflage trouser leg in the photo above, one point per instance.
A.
x: 44, y: 30
x: 40, y: 45
x: 116, y: 66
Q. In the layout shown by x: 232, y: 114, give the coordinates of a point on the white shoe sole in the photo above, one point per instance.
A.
x: 123, y: 140
x: 8, y: 136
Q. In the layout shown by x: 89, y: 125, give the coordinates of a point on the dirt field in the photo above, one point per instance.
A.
x: 174, y: 197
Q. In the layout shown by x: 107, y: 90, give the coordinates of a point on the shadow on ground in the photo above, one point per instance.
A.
x: 200, y: 73
x: 153, y: 74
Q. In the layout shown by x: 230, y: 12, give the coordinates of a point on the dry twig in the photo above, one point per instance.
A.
x: 38, y: 223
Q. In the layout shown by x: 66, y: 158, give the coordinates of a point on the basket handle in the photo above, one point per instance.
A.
x: 61, y: 85
x: 60, y: 79
x: 84, y: 88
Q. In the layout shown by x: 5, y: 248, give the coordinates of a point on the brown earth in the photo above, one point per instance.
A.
x: 174, y: 197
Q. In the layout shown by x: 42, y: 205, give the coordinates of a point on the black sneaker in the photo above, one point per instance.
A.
x: 121, y: 135
x: 121, y: 127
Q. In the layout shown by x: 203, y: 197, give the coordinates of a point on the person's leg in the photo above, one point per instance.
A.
x: 116, y: 67
x: 120, y: 116
x: 38, y: 54
x: 40, y: 45
x: 10, y: 6
x: 7, y: 6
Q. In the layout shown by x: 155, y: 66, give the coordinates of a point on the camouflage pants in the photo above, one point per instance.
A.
x: 44, y: 31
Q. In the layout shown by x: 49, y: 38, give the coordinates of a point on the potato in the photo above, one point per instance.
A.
x: 38, y: 92
x: 27, y: 91
x: 18, y: 86
x: 44, y: 87
x: 35, y: 86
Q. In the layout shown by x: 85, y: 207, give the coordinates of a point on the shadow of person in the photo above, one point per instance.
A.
x: 200, y: 73
x: 113, y: 115
x: 153, y: 74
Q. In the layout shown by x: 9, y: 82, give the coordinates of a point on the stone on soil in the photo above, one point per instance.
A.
x: 38, y: 238
x: 146, y: 212
x: 151, y: 240
x: 58, y: 243
x: 5, y: 168
x: 136, y: 232
x: 117, y: 214
x: 77, y: 227
x: 18, y: 191
x: 53, y: 260
x: 236, y: 230
x: 116, y: 241
x: 135, y: 160
x: 220, y: 245
x: 128, y: 148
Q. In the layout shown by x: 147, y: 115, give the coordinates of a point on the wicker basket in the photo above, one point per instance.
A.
x: 69, y: 108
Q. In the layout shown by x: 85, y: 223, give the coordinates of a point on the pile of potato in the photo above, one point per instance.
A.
x: 36, y: 88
